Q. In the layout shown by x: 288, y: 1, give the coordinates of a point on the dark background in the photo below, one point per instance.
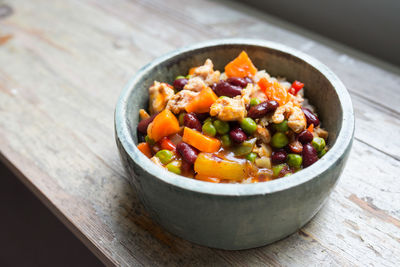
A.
x: 371, y: 26
x: 31, y: 235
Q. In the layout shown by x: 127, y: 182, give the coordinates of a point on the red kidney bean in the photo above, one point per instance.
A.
x: 213, y: 86
x: 202, y: 116
x: 186, y: 167
x: 305, y: 136
x: 310, y: 117
x: 238, y: 135
x: 262, y: 109
x: 180, y: 83
x: 143, y: 124
x: 224, y: 88
x: 296, y: 147
x: 309, y: 155
x: 278, y: 157
x: 190, y: 120
x: 248, y: 79
x: 188, y: 153
x: 242, y: 82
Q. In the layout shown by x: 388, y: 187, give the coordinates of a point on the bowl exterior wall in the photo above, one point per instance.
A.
x: 230, y: 222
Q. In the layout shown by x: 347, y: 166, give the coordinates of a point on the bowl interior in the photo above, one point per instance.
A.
x: 318, y: 89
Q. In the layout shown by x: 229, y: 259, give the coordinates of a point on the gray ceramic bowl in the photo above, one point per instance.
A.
x: 237, y: 216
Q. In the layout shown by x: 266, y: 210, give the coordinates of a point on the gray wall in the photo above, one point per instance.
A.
x: 370, y: 26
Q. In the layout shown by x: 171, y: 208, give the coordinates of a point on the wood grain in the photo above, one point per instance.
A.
x: 63, y: 66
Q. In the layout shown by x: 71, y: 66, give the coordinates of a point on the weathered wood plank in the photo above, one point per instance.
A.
x: 64, y: 67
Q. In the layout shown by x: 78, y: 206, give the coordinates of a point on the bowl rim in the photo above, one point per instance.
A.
x: 335, y: 154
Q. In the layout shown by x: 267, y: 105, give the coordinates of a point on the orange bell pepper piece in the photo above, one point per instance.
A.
x: 274, y: 91
x: 164, y: 124
x: 145, y: 149
x: 241, y: 67
x: 208, y: 165
x: 192, y: 70
x: 202, y: 102
x: 200, y: 141
x: 311, y: 128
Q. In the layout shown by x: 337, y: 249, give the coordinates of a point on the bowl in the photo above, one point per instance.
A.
x: 236, y: 216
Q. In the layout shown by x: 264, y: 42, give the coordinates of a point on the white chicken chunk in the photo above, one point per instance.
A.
x: 229, y: 109
x: 159, y: 95
x: 179, y: 101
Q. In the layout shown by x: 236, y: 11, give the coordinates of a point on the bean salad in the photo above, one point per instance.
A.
x: 238, y: 126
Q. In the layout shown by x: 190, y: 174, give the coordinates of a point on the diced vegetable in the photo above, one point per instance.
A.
x: 294, y: 160
x: 226, y: 140
x: 208, y: 165
x: 222, y: 127
x: 263, y: 162
x: 311, y: 128
x: 274, y: 91
x: 279, y: 140
x: 164, y: 124
x: 145, y: 149
x: 318, y: 143
x: 166, y: 143
x: 192, y: 70
x: 207, y: 179
x: 165, y: 156
x: 202, y: 102
x: 240, y: 67
x: 282, y: 127
x: 200, y: 141
x: 149, y: 140
x: 296, y: 87
x: 209, y: 129
x: 251, y: 156
x: 174, y: 166
x: 322, y: 152
x: 278, y: 168
x: 245, y: 148
x: 248, y: 125
x: 181, y: 117
x: 254, y: 102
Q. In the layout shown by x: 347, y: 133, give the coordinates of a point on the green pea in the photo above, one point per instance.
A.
x: 248, y: 125
x: 294, y: 160
x: 179, y: 77
x: 164, y: 155
x: 282, y: 127
x: 254, y: 102
x: 222, y: 127
x: 174, y: 166
x: 287, y: 174
x: 149, y: 140
x: 181, y: 118
x: 322, y: 152
x: 226, y: 140
x: 277, y: 169
x: 318, y: 143
x: 251, y: 157
x: 188, y: 76
x: 209, y: 129
x: 209, y: 119
x: 223, y: 96
x: 279, y: 140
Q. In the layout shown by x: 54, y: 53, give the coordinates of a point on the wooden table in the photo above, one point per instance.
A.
x: 63, y: 65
